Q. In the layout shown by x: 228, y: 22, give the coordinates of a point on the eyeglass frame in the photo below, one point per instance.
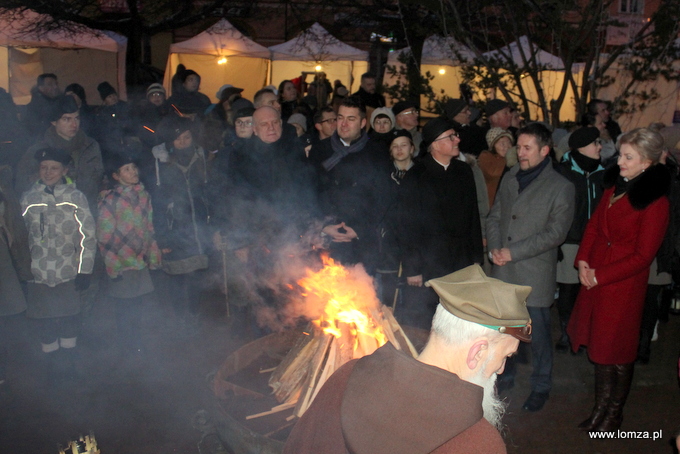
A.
x: 243, y: 123
x: 332, y: 120
x: 450, y: 137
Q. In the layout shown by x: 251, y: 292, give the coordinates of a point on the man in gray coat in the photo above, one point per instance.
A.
x: 530, y: 218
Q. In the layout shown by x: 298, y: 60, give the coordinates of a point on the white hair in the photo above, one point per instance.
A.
x: 455, y: 331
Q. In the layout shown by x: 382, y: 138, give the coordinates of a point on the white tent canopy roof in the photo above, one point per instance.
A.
x: 11, y: 35
x: 223, y: 40
x: 437, y: 50
x: 316, y: 44
x: 523, y: 47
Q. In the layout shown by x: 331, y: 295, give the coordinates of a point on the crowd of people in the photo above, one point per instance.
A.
x: 93, y: 198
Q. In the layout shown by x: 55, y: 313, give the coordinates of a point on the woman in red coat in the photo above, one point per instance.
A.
x: 618, y: 246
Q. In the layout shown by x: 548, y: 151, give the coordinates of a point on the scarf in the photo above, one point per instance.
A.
x: 624, y: 184
x: 525, y: 177
x: 586, y: 163
x: 340, y: 150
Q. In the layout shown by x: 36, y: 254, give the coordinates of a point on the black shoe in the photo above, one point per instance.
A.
x: 536, y: 401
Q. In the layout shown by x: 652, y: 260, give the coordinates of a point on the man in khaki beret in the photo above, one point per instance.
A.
x: 444, y: 401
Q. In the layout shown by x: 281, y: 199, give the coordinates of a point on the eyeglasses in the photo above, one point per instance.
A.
x: 451, y: 137
x: 330, y: 120
x: 243, y: 123
x: 409, y: 112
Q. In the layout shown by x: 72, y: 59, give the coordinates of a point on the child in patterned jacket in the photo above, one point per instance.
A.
x: 126, y: 240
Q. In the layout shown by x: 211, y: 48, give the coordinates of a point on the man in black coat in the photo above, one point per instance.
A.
x: 445, y: 223
x: 353, y: 186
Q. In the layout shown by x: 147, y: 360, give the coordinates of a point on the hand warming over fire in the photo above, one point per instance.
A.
x: 415, y: 281
x: 340, y: 233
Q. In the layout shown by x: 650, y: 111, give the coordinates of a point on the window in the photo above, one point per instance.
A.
x: 631, y: 6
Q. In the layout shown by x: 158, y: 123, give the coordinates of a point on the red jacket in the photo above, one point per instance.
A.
x: 619, y: 243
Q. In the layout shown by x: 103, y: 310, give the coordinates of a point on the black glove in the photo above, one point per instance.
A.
x: 82, y: 282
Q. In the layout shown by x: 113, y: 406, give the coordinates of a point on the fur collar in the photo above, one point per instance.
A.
x: 654, y: 183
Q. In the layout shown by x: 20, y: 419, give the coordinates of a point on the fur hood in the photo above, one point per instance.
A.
x: 654, y: 183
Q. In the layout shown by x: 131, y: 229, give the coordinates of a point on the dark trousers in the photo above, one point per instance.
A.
x: 418, y: 308
x: 541, y: 353
x: 51, y: 329
x: 565, y: 304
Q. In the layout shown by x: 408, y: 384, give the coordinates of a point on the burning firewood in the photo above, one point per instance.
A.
x: 352, y: 324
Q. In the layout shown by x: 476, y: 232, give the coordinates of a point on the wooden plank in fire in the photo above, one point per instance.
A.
x: 294, y: 375
x: 291, y: 356
x: 399, y: 332
x: 330, y: 367
x: 318, y: 360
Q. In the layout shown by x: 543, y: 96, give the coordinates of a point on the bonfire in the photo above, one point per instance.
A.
x: 350, y: 323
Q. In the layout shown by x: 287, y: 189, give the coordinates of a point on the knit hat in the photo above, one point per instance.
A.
x: 383, y: 111
x: 245, y: 112
x: 78, y: 90
x: 298, y: 119
x: 117, y: 160
x: 471, y: 295
x: 241, y: 103
x: 64, y: 105
x: 172, y: 127
x: 401, y: 133
x: 186, y: 73
x: 53, y: 154
x: 494, y: 106
x: 155, y: 88
x: 226, y: 90
x: 583, y: 137
x: 495, y: 134
x: 402, y: 106
x: 453, y: 107
x: 105, y: 90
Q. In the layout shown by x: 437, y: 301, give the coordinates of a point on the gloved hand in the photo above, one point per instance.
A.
x: 82, y: 282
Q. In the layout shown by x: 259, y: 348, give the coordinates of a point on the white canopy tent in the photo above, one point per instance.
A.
x: 660, y: 110
x: 551, y: 78
x: 313, y: 48
x: 440, y: 58
x: 86, y: 57
x: 221, y: 55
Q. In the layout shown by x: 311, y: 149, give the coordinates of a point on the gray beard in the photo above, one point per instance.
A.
x: 492, y: 406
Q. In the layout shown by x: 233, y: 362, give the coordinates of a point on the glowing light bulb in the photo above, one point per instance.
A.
x: 317, y: 68
x: 222, y: 61
x: 442, y: 71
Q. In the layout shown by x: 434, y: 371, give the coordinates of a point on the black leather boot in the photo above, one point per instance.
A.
x: 624, y: 377
x: 605, y: 376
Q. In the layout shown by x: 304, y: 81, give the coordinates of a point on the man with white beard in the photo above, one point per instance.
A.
x: 442, y: 402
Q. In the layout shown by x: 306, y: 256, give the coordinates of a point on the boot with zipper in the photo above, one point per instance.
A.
x: 605, y: 376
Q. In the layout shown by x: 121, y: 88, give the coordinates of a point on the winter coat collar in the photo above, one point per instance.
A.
x: 652, y: 185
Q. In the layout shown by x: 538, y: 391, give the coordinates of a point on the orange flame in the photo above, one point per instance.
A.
x: 346, y: 296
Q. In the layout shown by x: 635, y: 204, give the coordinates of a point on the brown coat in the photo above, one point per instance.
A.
x: 390, y: 403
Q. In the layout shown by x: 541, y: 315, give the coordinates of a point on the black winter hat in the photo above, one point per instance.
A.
x: 401, y: 133
x: 78, y: 90
x: 433, y: 129
x: 494, y: 106
x: 583, y: 137
x: 402, y: 106
x: 172, y: 127
x: 186, y: 73
x: 453, y: 107
x: 105, y: 90
x: 53, y: 154
x: 118, y: 160
x: 64, y: 105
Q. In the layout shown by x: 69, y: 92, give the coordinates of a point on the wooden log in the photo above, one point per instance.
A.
x: 317, y: 363
x: 292, y: 354
x: 399, y: 332
x: 330, y: 367
x: 346, y: 343
x: 277, y: 409
x: 298, y: 369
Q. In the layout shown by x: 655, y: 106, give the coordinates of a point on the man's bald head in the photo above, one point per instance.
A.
x: 267, y: 125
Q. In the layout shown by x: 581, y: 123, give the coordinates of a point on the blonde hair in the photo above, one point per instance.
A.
x: 648, y: 143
